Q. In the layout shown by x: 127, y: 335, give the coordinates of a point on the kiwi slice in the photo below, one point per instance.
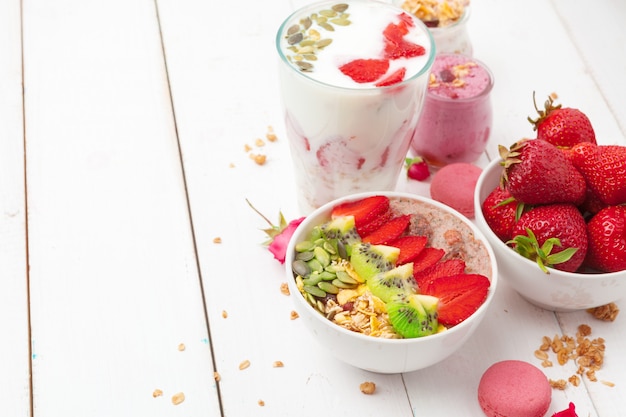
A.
x: 397, y: 281
x: 413, y: 316
x: 342, y: 229
x: 368, y: 260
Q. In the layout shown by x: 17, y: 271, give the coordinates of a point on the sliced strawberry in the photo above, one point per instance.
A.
x: 403, y: 49
x: 445, y: 268
x: 459, y: 296
x: 410, y: 247
x: 364, y: 210
x: 426, y: 258
x: 365, y: 70
x: 388, y: 231
x: 395, y: 44
x: 367, y: 228
x: 393, y: 78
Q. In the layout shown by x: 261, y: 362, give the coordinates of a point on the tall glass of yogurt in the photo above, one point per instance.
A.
x: 456, y: 121
x: 353, y: 76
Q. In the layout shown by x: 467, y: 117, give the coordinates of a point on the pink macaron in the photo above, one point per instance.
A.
x: 513, y: 388
x: 454, y: 186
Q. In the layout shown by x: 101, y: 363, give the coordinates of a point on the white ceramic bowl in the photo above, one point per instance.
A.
x: 557, y: 291
x: 377, y: 354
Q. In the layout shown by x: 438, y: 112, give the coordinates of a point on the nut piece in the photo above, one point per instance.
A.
x: 181, y: 347
x: 157, y: 393
x: 606, y: 312
x: 261, y: 403
x: 243, y: 365
x: 224, y: 314
x: 217, y: 240
x: 294, y: 315
x: 368, y: 388
x: 278, y: 364
x: 284, y: 288
x: 178, y: 398
x: 216, y: 376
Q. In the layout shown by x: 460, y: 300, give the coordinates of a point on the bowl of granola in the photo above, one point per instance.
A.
x: 553, y: 289
x: 390, y: 282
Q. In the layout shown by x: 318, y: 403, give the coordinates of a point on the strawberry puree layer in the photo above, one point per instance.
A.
x: 456, y: 121
x: 346, y: 136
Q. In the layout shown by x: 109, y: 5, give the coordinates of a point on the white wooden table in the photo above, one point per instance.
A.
x: 123, y: 126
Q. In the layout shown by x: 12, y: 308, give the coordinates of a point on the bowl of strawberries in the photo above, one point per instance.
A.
x: 390, y: 282
x: 555, y: 214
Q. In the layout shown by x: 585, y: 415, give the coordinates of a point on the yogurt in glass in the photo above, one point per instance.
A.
x: 456, y: 121
x: 353, y: 76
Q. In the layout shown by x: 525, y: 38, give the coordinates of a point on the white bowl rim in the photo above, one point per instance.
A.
x: 553, y: 271
x: 396, y: 194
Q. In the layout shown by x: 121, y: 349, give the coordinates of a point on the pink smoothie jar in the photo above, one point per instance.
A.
x: 457, y: 116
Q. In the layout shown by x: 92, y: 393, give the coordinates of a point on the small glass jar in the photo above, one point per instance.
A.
x: 451, y: 38
x: 454, y: 38
x: 456, y: 120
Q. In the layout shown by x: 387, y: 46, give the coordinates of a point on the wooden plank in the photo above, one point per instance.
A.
x: 14, y: 351
x: 225, y: 95
x: 598, y: 33
x: 114, y: 283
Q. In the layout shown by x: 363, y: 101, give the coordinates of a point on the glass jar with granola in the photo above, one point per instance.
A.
x: 447, y: 21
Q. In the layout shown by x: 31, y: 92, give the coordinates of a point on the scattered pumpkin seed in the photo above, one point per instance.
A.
x: 293, y: 29
x: 295, y: 38
x: 305, y: 256
x: 300, y: 267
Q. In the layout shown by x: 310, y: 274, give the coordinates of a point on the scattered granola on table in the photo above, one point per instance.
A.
x: 607, y: 312
x: 368, y: 388
x: 587, y: 353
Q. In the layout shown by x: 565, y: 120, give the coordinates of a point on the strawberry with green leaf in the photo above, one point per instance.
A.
x: 607, y: 240
x: 562, y: 126
x: 537, y: 172
x: 501, y: 211
x: 553, y: 235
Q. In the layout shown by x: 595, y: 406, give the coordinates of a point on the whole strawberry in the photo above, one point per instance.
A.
x: 553, y: 235
x: 604, y: 170
x: 501, y: 211
x: 537, y: 172
x: 562, y: 126
x: 417, y: 168
x: 607, y: 240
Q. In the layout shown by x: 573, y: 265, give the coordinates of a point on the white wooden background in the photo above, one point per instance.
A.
x: 122, y: 132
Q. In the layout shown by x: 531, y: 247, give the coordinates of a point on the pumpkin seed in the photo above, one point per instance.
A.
x: 327, y: 26
x: 344, y: 277
x: 340, y: 21
x: 322, y: 256
x: 299, y: 267
x: 305, y: 245
x: 305, y: 256
x: 312, y: 279
x: 329, y: 247
x: 321, y: 19
x: 315, y: 291
x: 340, y: 7
x: 327, y: 287
x: 322, y: 43
x: 327, y: 276
x: 295, y: 38
x: 315, y: 265
x: 339, y: 284
x: 306, y: 23
x: 307, y: 42
x: 293, y: 29
x: 328, y: 13
x: 304, y: 66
